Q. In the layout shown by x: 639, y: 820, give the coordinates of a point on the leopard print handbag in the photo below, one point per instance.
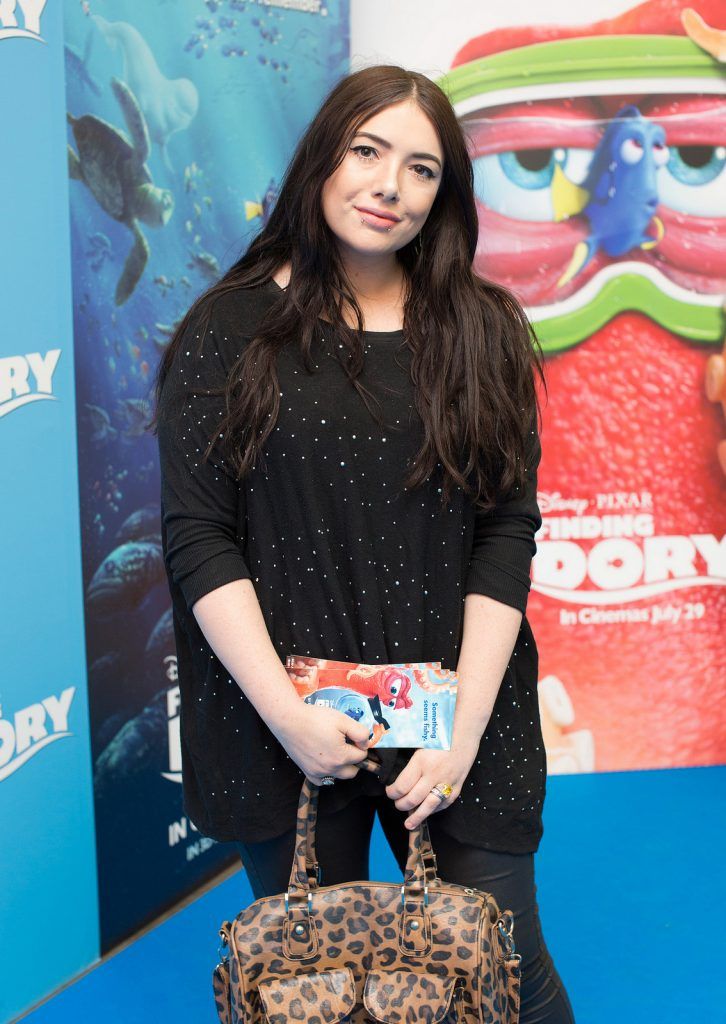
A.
x: 424, y: 950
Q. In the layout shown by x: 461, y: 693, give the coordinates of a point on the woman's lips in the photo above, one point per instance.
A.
x: 374, y: 220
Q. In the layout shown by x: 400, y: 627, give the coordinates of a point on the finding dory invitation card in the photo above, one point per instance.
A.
x: 410, y: 704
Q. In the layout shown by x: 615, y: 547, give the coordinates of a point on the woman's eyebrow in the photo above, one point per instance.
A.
x: 387, y: 145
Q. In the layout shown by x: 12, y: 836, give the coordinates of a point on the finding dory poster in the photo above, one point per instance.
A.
x: 181, y: 118
x: 598, y: 141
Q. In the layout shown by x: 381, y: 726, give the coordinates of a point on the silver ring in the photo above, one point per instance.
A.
x: 328, y: 780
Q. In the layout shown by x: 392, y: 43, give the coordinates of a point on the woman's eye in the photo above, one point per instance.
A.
x: 394, y: 688
x: 369, y: 153
x: 359, y: 151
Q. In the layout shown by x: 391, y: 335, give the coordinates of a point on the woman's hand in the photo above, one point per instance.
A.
x: 426, y: 768
x: 322, y: 741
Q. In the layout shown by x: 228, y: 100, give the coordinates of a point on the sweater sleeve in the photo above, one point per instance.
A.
x: 504, y: 543
x: 202, y: 504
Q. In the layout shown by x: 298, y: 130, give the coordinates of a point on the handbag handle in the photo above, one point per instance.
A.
x: 420, y: 871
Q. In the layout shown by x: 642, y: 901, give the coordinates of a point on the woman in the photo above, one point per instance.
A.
x: 348, y: 436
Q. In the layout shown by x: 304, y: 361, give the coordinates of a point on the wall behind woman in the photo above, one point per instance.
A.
x: 209, y: 99
x: 619, y: 262
x: 47, y: 853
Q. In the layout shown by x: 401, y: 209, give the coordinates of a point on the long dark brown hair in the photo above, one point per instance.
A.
x: 474, y: 351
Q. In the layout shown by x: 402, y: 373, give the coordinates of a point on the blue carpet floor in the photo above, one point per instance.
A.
x: 630, y: 886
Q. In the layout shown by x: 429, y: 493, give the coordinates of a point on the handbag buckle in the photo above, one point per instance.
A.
x: 507, y: 937
x: 310, y: 902
x: 403, y: 896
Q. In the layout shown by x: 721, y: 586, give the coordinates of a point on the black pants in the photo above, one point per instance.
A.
x: 342, y: 844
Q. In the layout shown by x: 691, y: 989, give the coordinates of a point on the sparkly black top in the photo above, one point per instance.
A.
x: 345, y: 565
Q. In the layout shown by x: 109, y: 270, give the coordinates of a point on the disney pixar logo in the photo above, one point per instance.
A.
x: 32, y: 729
x: 28, y: 378
x: 31, y: 11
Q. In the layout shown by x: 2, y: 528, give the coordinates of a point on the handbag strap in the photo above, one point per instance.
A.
x: 304, y: 862
x: 420, y: 871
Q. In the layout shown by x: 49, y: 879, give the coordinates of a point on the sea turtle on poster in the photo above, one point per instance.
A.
x: 113, y: 166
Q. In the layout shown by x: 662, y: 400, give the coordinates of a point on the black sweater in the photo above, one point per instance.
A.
x: 345, y: 565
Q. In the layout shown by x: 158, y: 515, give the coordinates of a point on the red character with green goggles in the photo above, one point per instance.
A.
x: 599, y: 159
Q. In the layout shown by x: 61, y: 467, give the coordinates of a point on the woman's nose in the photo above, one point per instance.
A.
x: 387, y: 187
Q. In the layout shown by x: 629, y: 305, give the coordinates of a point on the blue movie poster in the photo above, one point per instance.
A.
x: 181, y: 118
x: 47, y: 850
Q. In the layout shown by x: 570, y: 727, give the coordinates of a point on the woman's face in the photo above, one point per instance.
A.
x: 397, y: 173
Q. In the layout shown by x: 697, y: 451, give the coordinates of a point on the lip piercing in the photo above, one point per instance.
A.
x: 363, y: 222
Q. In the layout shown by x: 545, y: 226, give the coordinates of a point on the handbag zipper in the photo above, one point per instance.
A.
x: 394, y: 885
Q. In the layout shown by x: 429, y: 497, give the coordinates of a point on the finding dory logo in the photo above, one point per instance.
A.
x: 32, y: 729
x: 31, y: 10
x: 628, y: 560
x: 25, y: 379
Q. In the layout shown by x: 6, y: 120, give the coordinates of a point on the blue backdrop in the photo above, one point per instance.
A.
x: 208, y: 98
x: 47, y: 855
